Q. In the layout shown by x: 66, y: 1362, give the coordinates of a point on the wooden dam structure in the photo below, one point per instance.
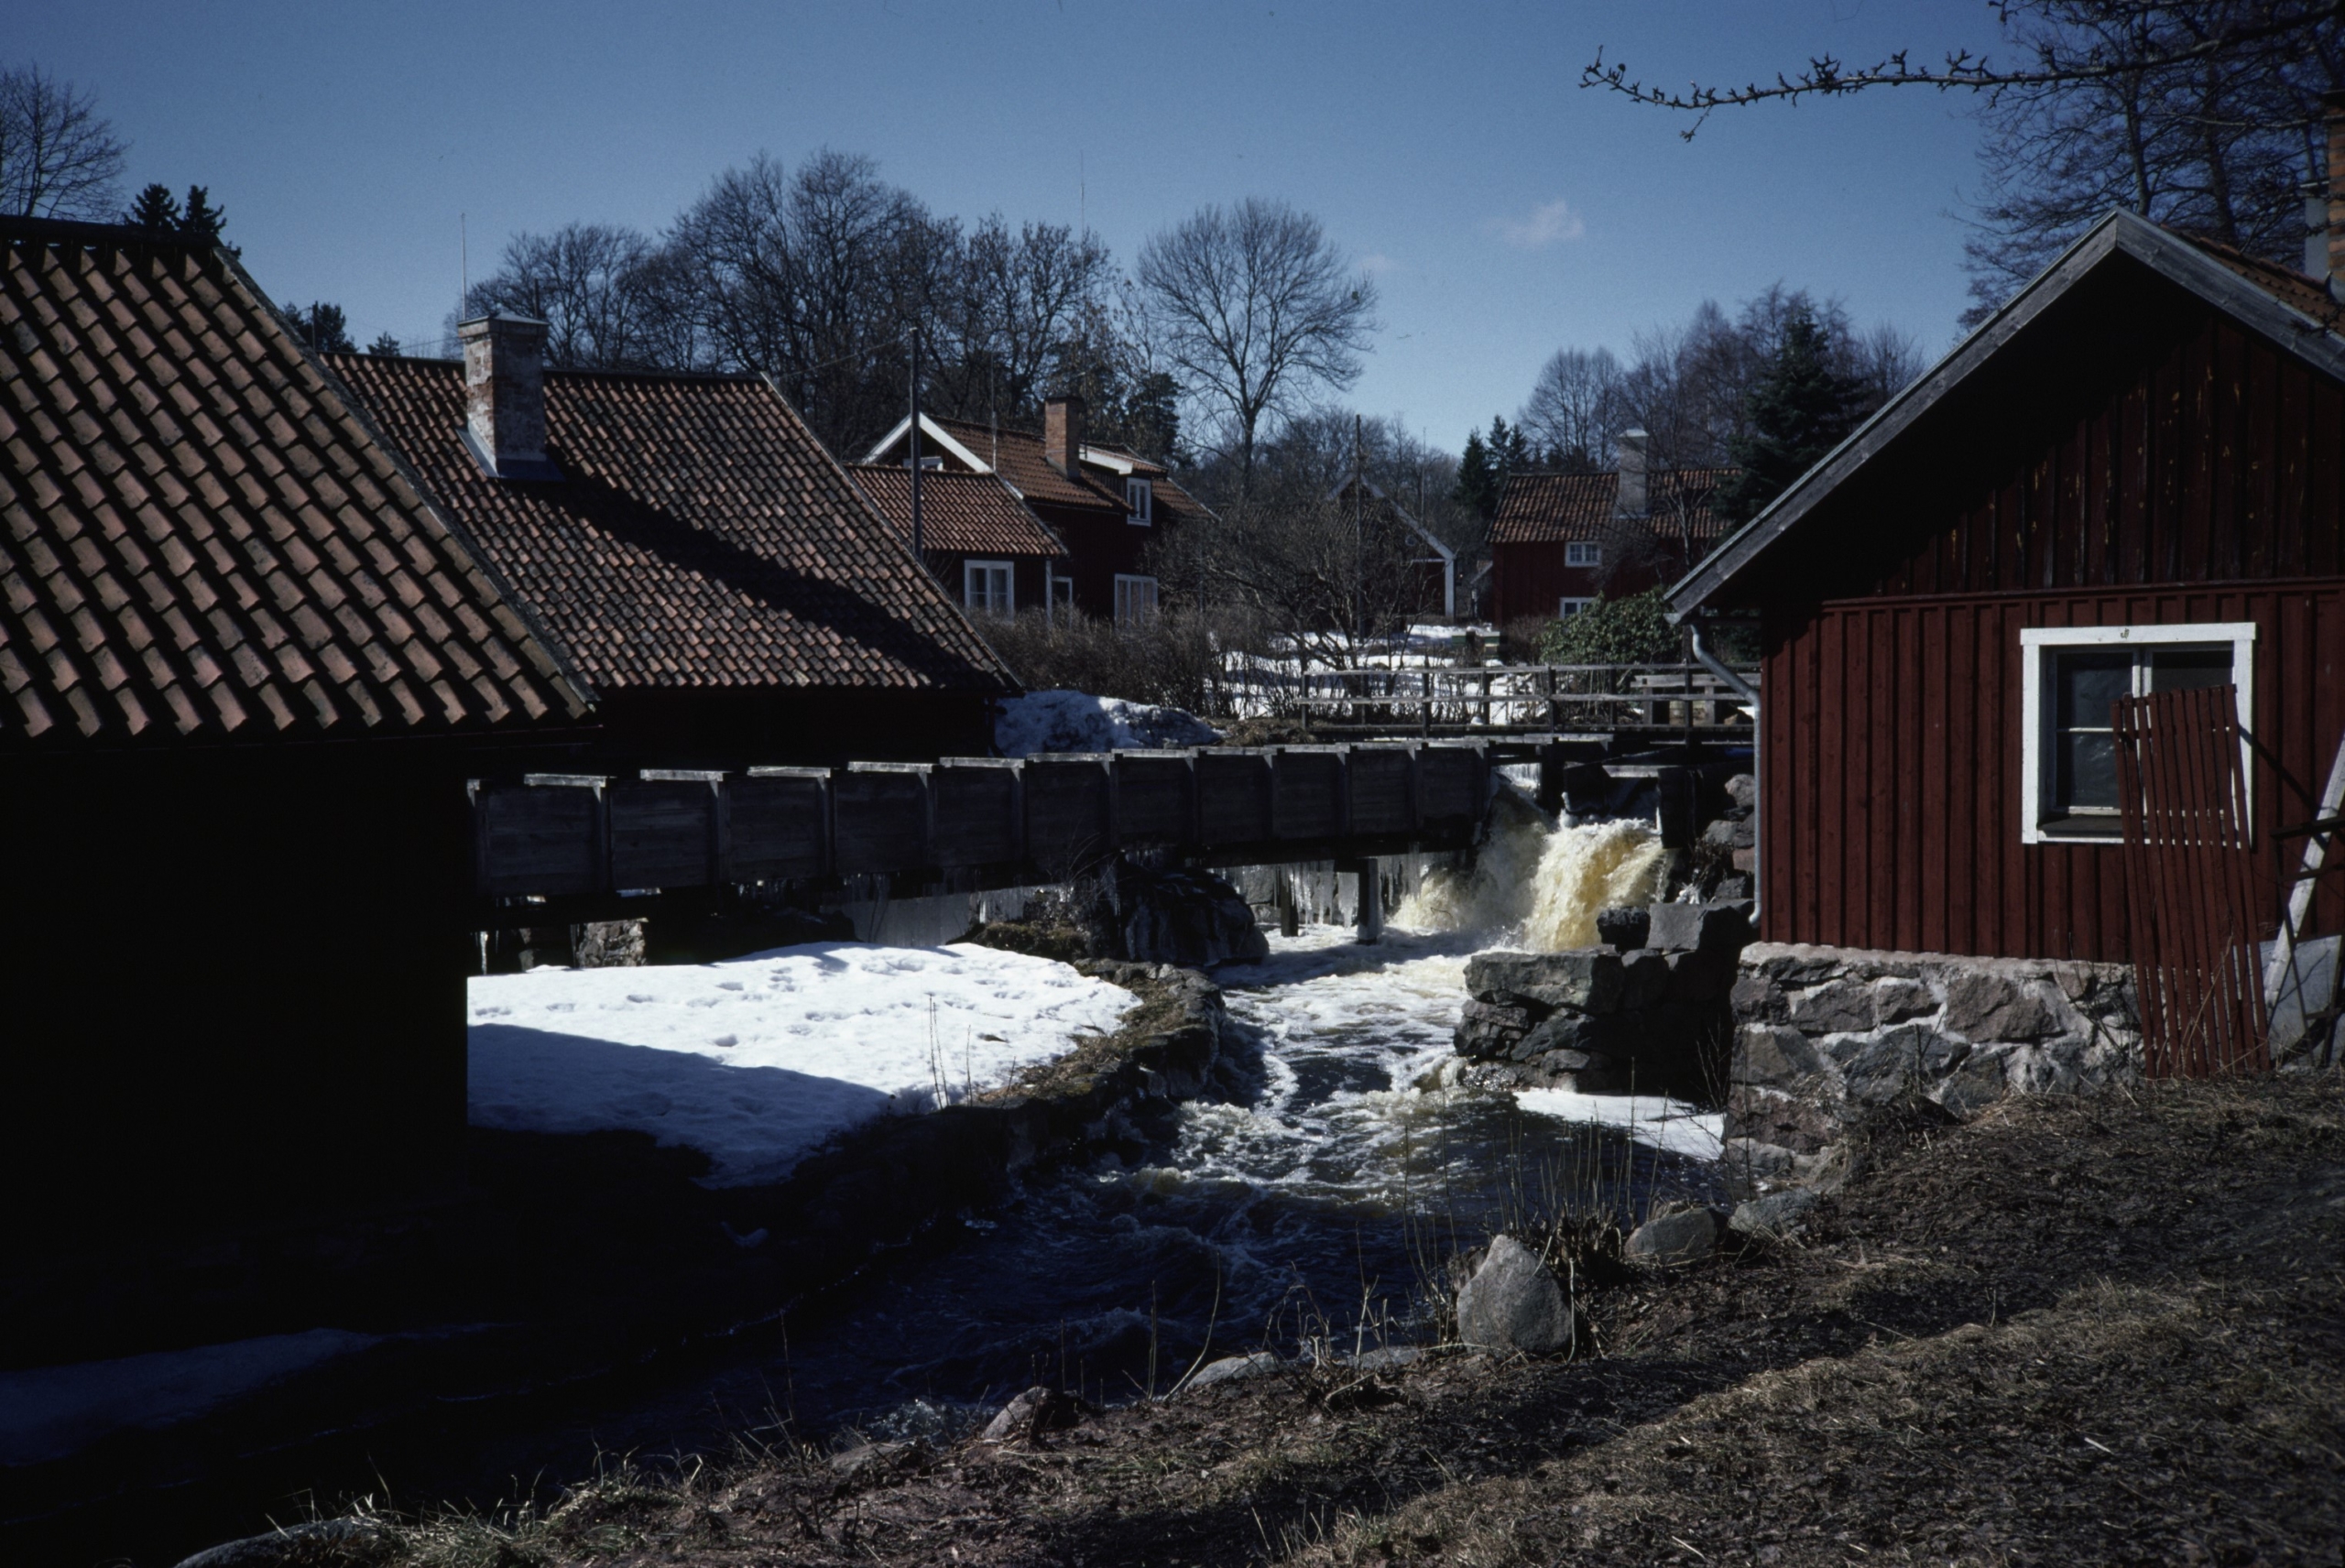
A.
x: 551, y: 847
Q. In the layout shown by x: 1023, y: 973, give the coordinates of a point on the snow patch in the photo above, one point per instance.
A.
x: 1669, y: 1124
x: 756, y: 1060
x: 1076, y: 721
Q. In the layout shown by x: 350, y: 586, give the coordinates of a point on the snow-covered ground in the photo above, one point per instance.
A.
x: 755, y: 1061
x: 48, y: 1412
x: 1076, y: 721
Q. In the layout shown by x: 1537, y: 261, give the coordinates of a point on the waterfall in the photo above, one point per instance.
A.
x: 1542, y: 880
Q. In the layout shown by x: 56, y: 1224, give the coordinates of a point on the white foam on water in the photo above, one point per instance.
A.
x: 1538, y: 882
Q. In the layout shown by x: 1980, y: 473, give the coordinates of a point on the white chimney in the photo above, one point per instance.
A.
x: 505, y: 395
x: 1633, y: 501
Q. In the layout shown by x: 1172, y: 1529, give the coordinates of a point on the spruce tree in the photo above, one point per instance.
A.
x: 385, y: 345
x: 1799, y: 410
x: 201, y: 220
x: 155, y: 208
x: 1478, y: 481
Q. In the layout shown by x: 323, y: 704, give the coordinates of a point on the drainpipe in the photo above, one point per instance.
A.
x: 1750, y: 694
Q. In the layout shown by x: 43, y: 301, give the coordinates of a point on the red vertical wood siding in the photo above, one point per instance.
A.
x: 1890, y: 769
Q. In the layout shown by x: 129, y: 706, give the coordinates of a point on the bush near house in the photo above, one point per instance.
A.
x: 1614, y: 631
x: 1170, y: 659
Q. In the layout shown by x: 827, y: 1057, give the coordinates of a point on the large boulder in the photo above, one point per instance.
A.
x: 1686, y: 1236
x: 1191, y: 918
x: 1586, y: 978
x: 1513, y: 1303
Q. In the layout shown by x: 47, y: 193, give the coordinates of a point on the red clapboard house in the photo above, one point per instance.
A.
x: 1106, y: 505
x: 2131, y: 479
x: 991, y: 552
x: 1559, y: 541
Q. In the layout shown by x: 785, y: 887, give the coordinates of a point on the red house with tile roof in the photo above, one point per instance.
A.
x: 1104, y: 505
x: 987, y: 547
x: 714, y: 576
x: 245, y: 667
x: 1559, y: 541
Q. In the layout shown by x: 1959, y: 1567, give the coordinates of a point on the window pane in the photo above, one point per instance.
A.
x: 2088, y: 772
x: 2188, y: 668
x: 2088, y: 683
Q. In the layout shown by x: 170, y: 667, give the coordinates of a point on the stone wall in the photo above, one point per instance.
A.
x: 1648, y: 1014
x: 1827, y: 1037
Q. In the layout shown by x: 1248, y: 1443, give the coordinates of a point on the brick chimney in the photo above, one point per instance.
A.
x: 505, y: 395
x: 1634, y: 500
x: 1062, y: 434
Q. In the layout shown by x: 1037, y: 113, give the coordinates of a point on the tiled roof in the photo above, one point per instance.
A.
x: 700, y: 536
x: 2285, y: 284
x: 968, y: 513
x: 199, y: 539
x: 1539, y: 509
x: 1016, y: 456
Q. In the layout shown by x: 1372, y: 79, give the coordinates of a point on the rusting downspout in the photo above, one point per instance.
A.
x: 1750, y: 694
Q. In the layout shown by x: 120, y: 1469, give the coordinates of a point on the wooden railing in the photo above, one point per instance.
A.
x: 1591, y: 697
x: 973, y: 822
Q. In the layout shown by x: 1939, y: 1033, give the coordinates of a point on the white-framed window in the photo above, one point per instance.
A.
x: 1135, y: 599
x: 1582, y: 552
x: 1140, y: 495
x: 2068, y: 678
x: 1061, y: 592
x: 986, y: 587
x: 1570, y: 608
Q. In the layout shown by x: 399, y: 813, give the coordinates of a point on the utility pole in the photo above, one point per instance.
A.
x: 1359, y: 538
x: 917, y: 554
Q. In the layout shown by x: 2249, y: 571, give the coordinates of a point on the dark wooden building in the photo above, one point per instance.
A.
x: 245, y: 667
x: 711, y: 574
x: 991, y: 552
x: 1559, y: 541
x: 1104, y: 505
x: 2133, y: 477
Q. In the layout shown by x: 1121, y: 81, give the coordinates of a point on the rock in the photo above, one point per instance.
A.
x: 1488, y: 1031
x: 1983, y: 1005
x: 1776, y: 1216
x: 1569, y: 1032
x: 1686, y: 1236
x: 341, y: 1541
x: 1743, y: 790
x: 1388, y: 1358
x: 1894, y: 1001
x: 1513, y: 1303
x: 1790, y: 1121
x: 1187, y: 918
x: 1733, y: 889
x: 1720, y: 834
x: 1757, y: 1000
x: 1645, y: 977
x: 1699, y: 977
x: 855, y: 1461
x: 1234, y: 1368
x: 1711, y: 928
x: 1587, y: 978
x: 1623, y: 926
x: 1037, y: 1410
x: 1980, y: 1083
x: 1833, y: 1008
x: 1782, y: 1058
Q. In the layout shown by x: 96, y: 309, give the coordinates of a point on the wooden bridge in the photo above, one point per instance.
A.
x: 1659, y: 702
x: 551, y: 847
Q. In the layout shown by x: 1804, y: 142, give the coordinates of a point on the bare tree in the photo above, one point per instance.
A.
x: 588, y: 283
x: 58, y: 157
x: 1258, y: 310
x: 1573, y: 410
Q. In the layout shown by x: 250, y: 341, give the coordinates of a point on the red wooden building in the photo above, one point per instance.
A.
x: 2131, y: 478
x: 1106, y: 506
x: 1561, y: 540
x: 987, y: 547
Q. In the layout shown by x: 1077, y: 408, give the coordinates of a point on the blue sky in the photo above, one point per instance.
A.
x: 1505, y: 211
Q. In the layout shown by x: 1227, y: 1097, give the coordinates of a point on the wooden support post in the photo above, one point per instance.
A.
x: 1371, y: 903
x: 1290, y: 917
x: 1424, y: 714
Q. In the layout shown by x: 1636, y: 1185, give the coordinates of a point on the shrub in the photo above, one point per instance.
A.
x: 1614, y: 631
x: 1172, y: 657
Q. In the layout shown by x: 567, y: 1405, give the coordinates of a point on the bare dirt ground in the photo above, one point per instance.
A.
x: 2076, y: 1332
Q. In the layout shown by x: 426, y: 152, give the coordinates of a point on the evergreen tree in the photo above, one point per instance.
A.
x: 322, y: 327
x: 1477, y: 478
x: 1797, y: 412
x: 384, y: 344
x: 155, y: 208
x: 201, y: 220
x: 1510, y: 448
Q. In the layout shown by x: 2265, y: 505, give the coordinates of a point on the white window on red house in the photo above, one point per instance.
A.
x: 1140, y: 495
x: 986, y: 587
x: 1135, y: 599
x: 1570, y: 608
x: 1582, y: 552
x: 2071, y: 678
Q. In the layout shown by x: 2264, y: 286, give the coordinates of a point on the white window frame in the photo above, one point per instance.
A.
x: 2036, y: 645
x: 1567, y: 608
x: 1140, y: 495
x: 1582, y: 552
x: 969, y: 573
x: 1127, y: 589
